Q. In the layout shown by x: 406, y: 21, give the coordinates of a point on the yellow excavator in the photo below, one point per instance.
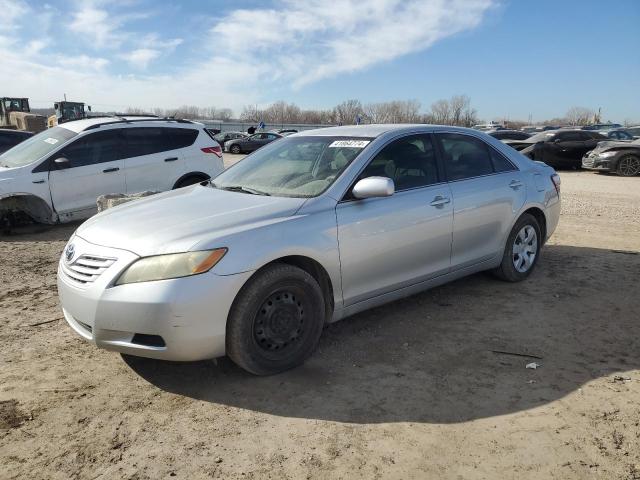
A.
x: 67, y: 111
x: 16, y: 115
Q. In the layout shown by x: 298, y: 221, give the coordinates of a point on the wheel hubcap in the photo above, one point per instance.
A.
x: 629, y: 166
x: 525, y: 248
x: 279, y: 322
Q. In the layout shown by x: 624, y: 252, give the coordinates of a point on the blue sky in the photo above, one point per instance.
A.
x: 514, y: 58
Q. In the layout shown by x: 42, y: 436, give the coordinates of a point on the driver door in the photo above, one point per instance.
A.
x: 95, y: 168
x: 393, y: 242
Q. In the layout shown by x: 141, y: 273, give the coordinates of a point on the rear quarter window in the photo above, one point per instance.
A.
x: 149, y: 140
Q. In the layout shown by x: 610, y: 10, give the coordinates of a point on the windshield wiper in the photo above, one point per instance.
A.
x: 240, y: 188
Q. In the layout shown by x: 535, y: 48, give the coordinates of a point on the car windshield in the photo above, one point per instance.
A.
x: 36, y: 147
x: 293, y: 166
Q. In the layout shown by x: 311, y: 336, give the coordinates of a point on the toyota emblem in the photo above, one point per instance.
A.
x: 70, y: 252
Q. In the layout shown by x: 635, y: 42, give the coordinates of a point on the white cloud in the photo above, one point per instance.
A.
x: 237, y: 61
x: 96, y: 24
x: 152, y: 48
x: 346, y: 36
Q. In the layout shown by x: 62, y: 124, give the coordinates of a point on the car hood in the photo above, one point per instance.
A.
x: 185, y: 219
x: 615, y: 144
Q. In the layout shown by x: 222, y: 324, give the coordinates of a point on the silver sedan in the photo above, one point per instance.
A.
x: 308, y: 230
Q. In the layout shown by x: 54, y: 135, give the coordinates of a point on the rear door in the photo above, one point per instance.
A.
x: 155, y: 156
x: 487, y: 189
x: 95, y: 168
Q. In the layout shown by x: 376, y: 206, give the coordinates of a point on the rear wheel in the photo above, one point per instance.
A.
x: 276, y: 320
x: 522, y: 250
x: 628, y: 166
x: 235, y: 149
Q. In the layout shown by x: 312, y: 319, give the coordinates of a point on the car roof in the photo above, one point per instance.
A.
x: 78, y: 126
x: 376, y: 130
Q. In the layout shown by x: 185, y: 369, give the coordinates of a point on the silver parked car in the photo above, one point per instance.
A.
x: 308, y: 230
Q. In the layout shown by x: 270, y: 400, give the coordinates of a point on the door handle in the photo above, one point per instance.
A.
x: 515, y: 184
x: 38, y: 181
x: 109, y: 170
x: 172, y: 159
x: 440, y: 201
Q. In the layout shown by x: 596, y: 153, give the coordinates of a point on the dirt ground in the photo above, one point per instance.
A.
x: 408, y: 390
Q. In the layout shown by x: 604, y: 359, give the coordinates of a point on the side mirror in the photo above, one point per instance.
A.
x: 557, y: 140
x: 62, y: 163
x: 372, y: 187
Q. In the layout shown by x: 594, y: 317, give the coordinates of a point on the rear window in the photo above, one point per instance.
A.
x: 149, y: 140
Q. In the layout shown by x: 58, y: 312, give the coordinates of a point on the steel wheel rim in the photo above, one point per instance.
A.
x: 525, y: 249
x: 280, y: 322
x: 629, y: 166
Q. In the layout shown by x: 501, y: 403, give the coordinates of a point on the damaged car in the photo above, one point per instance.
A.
x: 620, y: 157
x: 57, y: 175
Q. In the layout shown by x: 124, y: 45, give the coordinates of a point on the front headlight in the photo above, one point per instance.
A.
x: 607, y: 154
x: 176, y: 265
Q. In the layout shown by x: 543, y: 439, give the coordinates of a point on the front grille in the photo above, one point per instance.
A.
x: 87, y: 268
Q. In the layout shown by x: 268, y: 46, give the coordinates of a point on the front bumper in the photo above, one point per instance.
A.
x: 594, y: 162
x: 180, y: 319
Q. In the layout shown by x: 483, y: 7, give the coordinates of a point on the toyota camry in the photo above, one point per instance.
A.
x: 307, y: 230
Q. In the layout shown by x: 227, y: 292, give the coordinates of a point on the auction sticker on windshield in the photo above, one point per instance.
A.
x: 52, y: 141
x: 350, y: 143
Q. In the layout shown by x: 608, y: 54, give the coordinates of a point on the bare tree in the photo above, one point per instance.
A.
x: 347, y: 112
x: 579, y: 115
x: 441, y: 112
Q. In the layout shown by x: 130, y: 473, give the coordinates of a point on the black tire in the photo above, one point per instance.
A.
x: 507, y: 270
x: 235, y: 149
x: 191, y: 180
x: 628, y: 166
x: 276, y: 320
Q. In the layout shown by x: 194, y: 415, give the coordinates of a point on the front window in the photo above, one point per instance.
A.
x: 293, y: 167
x: 36, y: 147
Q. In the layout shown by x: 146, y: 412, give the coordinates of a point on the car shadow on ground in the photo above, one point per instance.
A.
x: 38, y: 232
x: 429, y: 358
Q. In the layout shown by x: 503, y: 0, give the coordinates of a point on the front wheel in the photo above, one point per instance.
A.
x: 276, y: 320
x: 628, y: 166
x: 235, y: 149
x: 522, y: 250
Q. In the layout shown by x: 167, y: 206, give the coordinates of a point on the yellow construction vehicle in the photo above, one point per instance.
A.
x: 67, y: 111
x: 15, y: 114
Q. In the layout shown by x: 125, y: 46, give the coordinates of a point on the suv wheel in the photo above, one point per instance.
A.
x: 276, y: 320
x: 191, y: 180
x: 522, y: 250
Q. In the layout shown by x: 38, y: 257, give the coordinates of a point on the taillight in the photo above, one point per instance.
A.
x: 215, y: 150
x: 555, y: 178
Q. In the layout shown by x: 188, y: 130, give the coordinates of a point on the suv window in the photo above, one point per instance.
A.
x: 99, y: 147
x: 465, y: 156
x: 410, y: 162
x: 149, y: 140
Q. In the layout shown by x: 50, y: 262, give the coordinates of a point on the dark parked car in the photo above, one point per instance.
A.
x: 618, y: 134
x: 602, y: 126
x: 10, y: 138
x: 251, y: 143
x: 509, y: 135
x: 622, y: 158
x: 224, y: 137
x: 562, y: 148
x: 635, y: 131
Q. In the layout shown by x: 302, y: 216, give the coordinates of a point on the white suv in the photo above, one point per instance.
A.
x: 57, y: 175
